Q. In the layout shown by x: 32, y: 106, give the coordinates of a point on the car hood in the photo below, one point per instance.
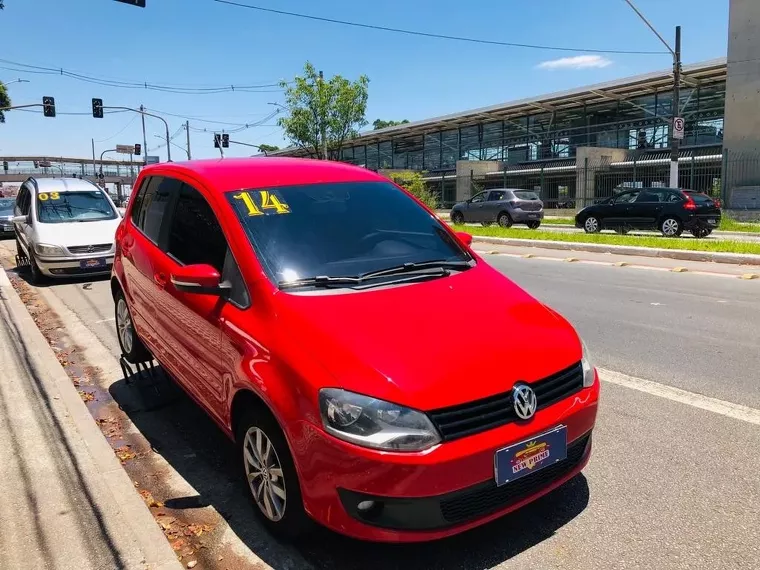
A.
x: 431, y: 344
x: 77, y: 233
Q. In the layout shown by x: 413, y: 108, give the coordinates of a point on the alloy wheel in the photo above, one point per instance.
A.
x: 591, y: 225
x: 124, y: 325
x: 263, y: 471
x: 670, y: 227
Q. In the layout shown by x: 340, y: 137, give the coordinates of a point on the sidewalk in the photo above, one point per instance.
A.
x: 66, y: 503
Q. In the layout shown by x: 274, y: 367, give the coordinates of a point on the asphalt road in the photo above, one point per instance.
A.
x: 669, y: 485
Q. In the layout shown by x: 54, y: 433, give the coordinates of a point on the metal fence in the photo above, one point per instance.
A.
x: 574, y: 184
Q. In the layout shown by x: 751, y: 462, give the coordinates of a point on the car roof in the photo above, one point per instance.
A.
x: 236, y: 173
x: 64, y: 185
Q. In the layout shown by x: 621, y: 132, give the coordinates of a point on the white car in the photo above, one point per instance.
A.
x: 65, y: 227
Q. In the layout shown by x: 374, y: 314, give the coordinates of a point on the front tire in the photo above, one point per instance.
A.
x: 534, y: 225
x: 592, y: 225
x: 457, y: 218
x: 36, y: 277
x: 132, y: 348
x: 671, y: 227
x: 270, y: 474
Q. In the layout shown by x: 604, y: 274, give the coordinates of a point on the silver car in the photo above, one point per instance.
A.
x: 6, y: 216
x: 505, y: 206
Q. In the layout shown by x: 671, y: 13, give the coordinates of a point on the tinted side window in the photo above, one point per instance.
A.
x: 479, y: 198
x: 195, y: 236
x: 626, y: 197
x: 153, y: 210
x: 496, y: 195
x: 138, y: 198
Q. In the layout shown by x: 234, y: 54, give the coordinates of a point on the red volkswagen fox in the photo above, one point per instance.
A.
x: 306, y: 306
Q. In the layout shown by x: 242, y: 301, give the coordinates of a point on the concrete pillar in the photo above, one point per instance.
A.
x: 589, y: 160
x: 468, y: 169
x: 741, y: 128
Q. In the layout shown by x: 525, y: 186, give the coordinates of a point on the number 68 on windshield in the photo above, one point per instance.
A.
x: 262, y: 202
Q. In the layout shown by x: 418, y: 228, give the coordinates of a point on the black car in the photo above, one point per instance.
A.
x: 6, y: 215
x: 669, y: 210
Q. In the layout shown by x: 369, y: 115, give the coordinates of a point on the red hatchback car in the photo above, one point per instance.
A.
x: 307, y: 307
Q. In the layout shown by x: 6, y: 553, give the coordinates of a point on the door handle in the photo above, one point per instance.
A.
x: 160, y: 279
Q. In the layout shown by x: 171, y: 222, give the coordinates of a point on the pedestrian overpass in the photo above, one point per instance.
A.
x: 16, y: 169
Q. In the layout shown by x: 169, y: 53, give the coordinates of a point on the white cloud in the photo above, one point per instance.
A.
x: 577, y: 62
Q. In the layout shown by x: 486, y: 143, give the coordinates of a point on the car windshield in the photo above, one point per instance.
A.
x: 6, y: 206
x: 58, y: 207
x: 340, y: 230
x: 526, y: 195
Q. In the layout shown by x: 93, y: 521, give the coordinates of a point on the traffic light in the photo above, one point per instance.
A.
x: 138, y: 149
x: 5, y: 165
x: 225, y: 140
x: 48, y: 106
x: 97, y: 108
x: 217, y: 140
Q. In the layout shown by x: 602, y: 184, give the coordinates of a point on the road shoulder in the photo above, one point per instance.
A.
x: 126, y: 526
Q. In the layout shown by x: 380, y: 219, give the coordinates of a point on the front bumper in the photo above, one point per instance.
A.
x: 70, y: 266
x: 521, y: 216
x: 438, y: 492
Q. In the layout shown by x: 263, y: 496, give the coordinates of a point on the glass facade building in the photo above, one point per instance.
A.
x: 632, y: 113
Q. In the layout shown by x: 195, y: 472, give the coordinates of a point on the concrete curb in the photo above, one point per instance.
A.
x: 147, y: 535
x: 685, y: 255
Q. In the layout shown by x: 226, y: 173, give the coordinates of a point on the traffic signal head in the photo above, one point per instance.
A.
x: 5, y: 165
x: 48, y: 106
x: 97, y: 108
x: 138, y: 149
x: 217, y: 140
x: 225, y: 140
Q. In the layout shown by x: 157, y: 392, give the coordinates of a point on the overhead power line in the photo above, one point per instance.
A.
x: 166, y: 88
x: 438, y: 36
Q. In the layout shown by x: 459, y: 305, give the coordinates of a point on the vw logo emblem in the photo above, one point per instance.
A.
x: 524, y: 400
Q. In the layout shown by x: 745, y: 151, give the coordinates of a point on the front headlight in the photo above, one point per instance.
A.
x: 374, y: 423
x: 44, y: 249
x: 588, y: 368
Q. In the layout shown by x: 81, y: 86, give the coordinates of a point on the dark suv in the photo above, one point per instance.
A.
x: 669, y: 210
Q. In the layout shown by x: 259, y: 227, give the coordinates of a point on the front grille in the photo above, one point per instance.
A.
x: 487, y: 497
x: 96, y: 248
x: 481, y: 415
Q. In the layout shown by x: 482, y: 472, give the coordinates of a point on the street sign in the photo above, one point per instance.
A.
x: 678, y: 128
x: 151, y: 160
x: 125, y: 148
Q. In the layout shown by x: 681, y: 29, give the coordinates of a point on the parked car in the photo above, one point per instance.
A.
x: 65, y: 227
x: 298, y: 302
x: 6, y: 216
x: 504, y: 206
x: 669, y: 210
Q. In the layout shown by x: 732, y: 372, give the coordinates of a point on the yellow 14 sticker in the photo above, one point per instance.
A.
x: 52, y: 196
x: 268, y: 201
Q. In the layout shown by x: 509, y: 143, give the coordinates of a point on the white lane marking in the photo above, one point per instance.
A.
x: 108, y: 320
x: 728, y: 409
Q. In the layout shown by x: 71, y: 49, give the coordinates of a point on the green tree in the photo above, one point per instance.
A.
x: 380, y: 124
x: 323, y: 112
x: 5, y: 101
x: 413, y: 183
x: 268, y: 147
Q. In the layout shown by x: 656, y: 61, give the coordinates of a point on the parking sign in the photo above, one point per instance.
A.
x: 678, y: 128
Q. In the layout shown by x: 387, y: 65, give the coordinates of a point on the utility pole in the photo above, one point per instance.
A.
x: 675, y: 143
x: 323, y: 126
x: 94, y: 166
x: 145, y: 138
x: 187, y: 128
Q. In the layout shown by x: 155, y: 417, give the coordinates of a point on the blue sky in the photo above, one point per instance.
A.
x: 213, y: 44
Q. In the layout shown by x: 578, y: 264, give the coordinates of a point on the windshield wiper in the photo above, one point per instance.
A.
x: 408, y: 267
x: 319, y: 281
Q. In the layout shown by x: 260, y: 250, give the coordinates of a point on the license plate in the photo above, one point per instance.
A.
x: 533, y: 216
x: 7, y: 228
x: 712, y: 221
x: 92, y: 263
x: 521, y: 459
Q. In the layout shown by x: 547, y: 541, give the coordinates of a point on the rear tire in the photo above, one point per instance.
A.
x: 534, y: 225
x: 457, y: 218
x: 132, y: 348
x: 505, y: 220
x: 269, y: 474
x: 671, y: 227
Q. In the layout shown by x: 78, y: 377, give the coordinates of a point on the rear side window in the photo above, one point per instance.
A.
x: 526, y: 196
x: 700, y: 198
x: 138, y: 197
x: 158, y: 194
